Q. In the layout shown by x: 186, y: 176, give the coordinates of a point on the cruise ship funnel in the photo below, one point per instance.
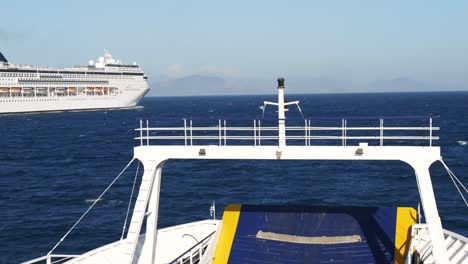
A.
x: 2, y: 58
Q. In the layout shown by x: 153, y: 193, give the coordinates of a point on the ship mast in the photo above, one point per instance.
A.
x: 282, y: 108
x: 281, y: 115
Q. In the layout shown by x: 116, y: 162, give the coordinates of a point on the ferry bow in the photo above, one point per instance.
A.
x: 397, y: 234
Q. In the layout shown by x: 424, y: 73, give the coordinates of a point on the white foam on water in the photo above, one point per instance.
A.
x: 462, y: 143
x: 90, y: 201
x: 112, y: 203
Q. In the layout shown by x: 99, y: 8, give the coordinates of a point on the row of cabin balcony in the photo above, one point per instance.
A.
x: 61, y: 91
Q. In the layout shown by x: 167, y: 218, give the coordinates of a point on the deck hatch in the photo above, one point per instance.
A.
x: 320, y: 234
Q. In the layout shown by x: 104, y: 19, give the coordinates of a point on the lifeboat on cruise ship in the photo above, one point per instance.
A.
x: 41, y: 90
x: 90, y: 89
x: 4, y: 90
x: 98, y: 89
x: 72, y: 89
x: 27, y: 90
x: 60, y: 90
x: 15, y: 89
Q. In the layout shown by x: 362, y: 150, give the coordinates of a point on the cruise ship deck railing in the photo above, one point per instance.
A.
x: 257, y: 133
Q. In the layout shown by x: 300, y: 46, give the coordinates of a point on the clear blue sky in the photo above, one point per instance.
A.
x: 355, y: 42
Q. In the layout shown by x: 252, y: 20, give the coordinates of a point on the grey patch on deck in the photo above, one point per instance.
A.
x: 325, y: 240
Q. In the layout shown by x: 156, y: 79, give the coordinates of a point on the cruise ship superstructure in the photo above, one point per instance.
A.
x: 106, y: 83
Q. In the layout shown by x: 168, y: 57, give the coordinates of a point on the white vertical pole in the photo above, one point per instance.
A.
x: 255, y: 132
x: 191, y: 133
x: 381, y: 132
x: 426, y: 192
x: 147, y: 133
x: 305, y: 131
x: 219, y: 134
x: 185, y: 132
x: 342, y: 133
x: 430, y: 132
x: 308, y: 125
x: 259, y: 132
x: 149, y: 246
x: 141, y: 132
x: 224, y: 132
x: 281, y: 116
x: 345, y: 131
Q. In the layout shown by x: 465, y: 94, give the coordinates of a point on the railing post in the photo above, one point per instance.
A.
x: 342, y: 132
x: 343, y: 136
x: 191, y: 133
x: 141, y: 132
x: 219, y: 134
x: 147, y: 133
x: 381, y: 131
x: 430, y: 132
x: 49, y: 259
x: 345, y: 131
x: 255, y: 132
x: 259, y: 132
x: 185, y: 132
x: 305, y: 131
x: 309, y: 130
x: 224, y: 132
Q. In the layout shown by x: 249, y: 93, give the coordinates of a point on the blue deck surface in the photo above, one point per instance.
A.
x: 376, y: 226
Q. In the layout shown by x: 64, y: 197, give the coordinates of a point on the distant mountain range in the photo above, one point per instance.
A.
x: 208, y: 85
x: 194, y: 85
x: 401, y: 84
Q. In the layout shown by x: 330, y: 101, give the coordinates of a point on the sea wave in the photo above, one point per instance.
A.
x: 104, y: 202
x: 90, y: 201
x: 111, y: 203
x: 462, y: 143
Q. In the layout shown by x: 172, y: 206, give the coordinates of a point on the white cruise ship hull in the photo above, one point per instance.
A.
x: 69, y: 103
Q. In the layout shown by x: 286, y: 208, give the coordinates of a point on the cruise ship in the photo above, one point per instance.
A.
x: 103, y: 84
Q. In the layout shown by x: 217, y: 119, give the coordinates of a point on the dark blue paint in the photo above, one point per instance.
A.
x: 376, y: 226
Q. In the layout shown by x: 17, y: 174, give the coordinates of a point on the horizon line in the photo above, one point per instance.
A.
x: 318, y: 93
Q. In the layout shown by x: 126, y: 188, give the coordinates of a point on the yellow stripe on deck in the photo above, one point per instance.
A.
x: 228, y: 231
x: 406, y: 216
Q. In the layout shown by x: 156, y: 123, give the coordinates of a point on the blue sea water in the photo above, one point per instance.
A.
x: 53, y: 166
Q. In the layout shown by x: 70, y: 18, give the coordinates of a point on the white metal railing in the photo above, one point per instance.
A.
x: 421, y: 242
x: 256, y: 134
x: 49, y: 259
x: 195, y: 253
